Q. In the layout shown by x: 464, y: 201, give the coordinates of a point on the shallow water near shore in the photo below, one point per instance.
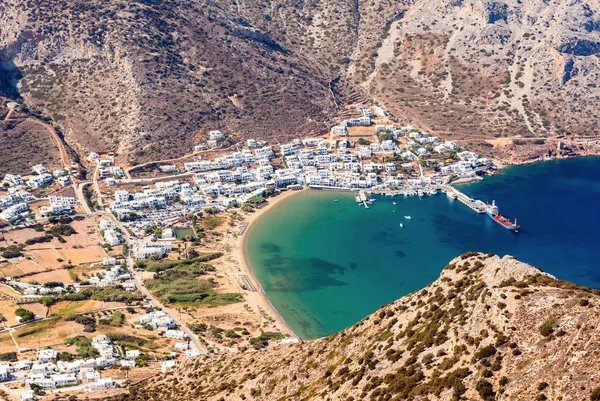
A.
x: 325, y: 264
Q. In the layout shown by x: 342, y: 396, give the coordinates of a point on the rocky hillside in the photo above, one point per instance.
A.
x: 486, y: 68
x: 489, y: 328
x: 150, y: 77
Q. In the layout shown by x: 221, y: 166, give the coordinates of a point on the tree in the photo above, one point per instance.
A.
x: 269, y: 191
x: 12, y: 251
x: 25, y: 314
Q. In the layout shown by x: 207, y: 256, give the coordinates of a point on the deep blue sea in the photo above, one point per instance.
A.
x: 325, y: 264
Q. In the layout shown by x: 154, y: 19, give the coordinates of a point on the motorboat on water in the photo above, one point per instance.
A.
x: 408, y: 217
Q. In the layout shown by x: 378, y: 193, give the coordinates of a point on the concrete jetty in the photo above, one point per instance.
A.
x: 474, y: 204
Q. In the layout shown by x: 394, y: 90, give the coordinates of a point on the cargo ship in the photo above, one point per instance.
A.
x: 492, y: 211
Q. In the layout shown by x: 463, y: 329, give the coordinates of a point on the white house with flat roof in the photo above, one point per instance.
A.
x: 100, y: 385
x: 175, y: 334
x: 47, y: 355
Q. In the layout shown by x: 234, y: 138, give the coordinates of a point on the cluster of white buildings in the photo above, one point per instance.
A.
x: 110, y: 277
x: 13, y: 180
x: 158, y: 319
x: 156, y: 198
x: 237, y: 177
x: 107, y: 169
x: 44, y: 178
x: 15, y: 202
x: 215, y: 139
x: 45, y: 373
x: 15, y: 196
x: 34, y: 289
x: 15, y: 211
x: 468, y: 165
x: 59, y: 205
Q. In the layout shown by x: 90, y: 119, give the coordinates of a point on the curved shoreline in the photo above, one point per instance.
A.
x: 247, y: 269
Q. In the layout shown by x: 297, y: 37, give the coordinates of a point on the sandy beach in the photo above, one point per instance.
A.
x: 259, y: 298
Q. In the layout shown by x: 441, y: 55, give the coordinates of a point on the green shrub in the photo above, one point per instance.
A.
x: 61, y: 230
x: 12, y: 251
x: 485, y: 390
x: 9, y: 357
x: 117, y: 319
x: 39, y: 240
x: 485, y: 352
x: 263, y: 340
x: 197, y: 327
x: 25, y: 314
x: 547, y: 327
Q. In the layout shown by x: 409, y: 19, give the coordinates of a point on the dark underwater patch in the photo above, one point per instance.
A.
x: 269, y: 247
x: 385, y: 238
x: 303, y: 274
x: 400, y: 254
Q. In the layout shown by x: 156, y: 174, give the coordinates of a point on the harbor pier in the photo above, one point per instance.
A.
x: 474, y: 204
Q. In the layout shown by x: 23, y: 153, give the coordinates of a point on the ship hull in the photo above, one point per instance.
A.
x: 503, y: 222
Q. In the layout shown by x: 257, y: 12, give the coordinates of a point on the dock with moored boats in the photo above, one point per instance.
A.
x: 364, y: 199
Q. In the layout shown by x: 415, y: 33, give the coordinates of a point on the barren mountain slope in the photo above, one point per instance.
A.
x: 152, y: 77
x: 148, y: 78
x: 494, y: 68
x: 488, y: 328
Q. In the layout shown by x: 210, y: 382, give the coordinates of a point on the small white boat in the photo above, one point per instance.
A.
x: 401, y: 225
x: 335, y: 200
x: 408, y: 217
x: 393, y: 203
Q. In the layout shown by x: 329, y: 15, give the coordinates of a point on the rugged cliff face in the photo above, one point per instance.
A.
x: 488, y: 328
x: 149, y: 78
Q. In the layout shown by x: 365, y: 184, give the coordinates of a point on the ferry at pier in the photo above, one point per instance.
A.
x: 492, y: 211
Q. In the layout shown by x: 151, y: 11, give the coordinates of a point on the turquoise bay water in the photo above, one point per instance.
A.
x: 326, y: 264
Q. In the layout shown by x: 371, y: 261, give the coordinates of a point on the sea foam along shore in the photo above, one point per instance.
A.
x: 259, y: 298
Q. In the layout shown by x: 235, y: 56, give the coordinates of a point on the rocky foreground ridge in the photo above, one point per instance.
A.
x: 489, y: 328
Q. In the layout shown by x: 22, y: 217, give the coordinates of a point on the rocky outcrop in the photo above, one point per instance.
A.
x: 254, y: 34
x: 488, y: 328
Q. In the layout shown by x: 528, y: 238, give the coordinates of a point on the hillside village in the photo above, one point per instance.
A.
x: 138, y: 219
